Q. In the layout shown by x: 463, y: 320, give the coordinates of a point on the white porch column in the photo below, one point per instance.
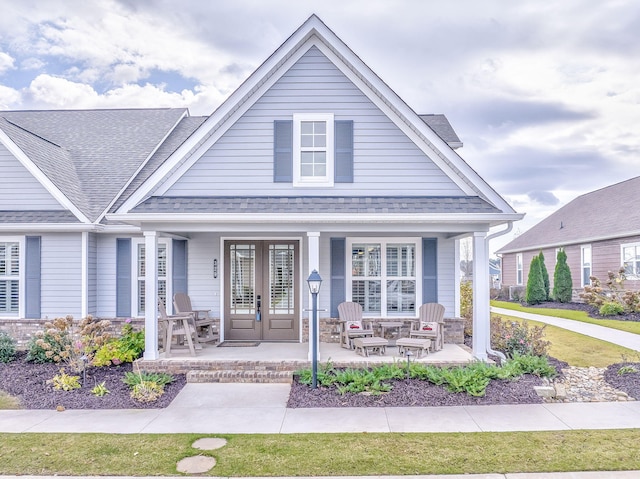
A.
x: 481, y: 307
x: 84, y: 306
x: 151, y: 295
x: 313, y: 240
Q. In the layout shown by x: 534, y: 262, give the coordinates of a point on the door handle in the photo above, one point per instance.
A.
x: 258, y: 304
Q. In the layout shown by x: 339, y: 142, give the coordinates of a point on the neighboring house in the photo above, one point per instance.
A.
x: 313, y: 163
x: 599, y: 232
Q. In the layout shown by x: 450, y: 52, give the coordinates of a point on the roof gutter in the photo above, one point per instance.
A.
x: 488, y: 345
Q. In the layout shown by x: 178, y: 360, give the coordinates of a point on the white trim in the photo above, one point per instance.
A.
x: 384, y: 241
x: 584, y: 248
x: 21, y: 240
x: 481, y: 305
x: 44, y: 180
x: 636, y: 244
x: 305, y: 181
x: 151, y: 294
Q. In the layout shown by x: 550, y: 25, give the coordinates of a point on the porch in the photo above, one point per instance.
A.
x: 276, y: 362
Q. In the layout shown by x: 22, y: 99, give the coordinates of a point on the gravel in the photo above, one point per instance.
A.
x: 28, y: 382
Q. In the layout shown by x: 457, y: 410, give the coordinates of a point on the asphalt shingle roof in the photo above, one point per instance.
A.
x: 57, y: 216
x: 441, y: 126
x: 315, y: 204
x: 90, y: 155
x: 606, y: 213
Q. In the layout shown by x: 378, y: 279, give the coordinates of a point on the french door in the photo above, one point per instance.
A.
x: 261, y: 290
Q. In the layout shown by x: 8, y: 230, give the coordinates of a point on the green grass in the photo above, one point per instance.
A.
x: 578, y: 349
x: 628, y: 326
x: 8, y: 402
x: 324, y: 454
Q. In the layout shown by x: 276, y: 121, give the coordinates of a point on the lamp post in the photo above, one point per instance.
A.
x: 314, y: 281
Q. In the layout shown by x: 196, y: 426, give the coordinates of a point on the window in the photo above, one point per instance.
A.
x: 631, y: 260
x: 10, y: 277
x: 585, y: 255
x: 313, y: 149
x: 519, y: 269
x: 384, y: 276
x: 140, y: 268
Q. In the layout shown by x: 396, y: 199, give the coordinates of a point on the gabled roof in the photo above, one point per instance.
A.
x: 314, y: 33
x: 90, y: 155
x: 610, y: 212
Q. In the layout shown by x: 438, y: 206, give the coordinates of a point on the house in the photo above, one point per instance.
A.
x: 312, y: 163
x: 597, y: 232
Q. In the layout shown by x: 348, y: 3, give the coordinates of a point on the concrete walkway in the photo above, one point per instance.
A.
x: 615, y: 336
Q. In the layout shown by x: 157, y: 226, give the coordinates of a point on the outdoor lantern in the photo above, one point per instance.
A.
x: 314, y: 281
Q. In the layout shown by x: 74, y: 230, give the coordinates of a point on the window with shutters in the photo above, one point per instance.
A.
x: 10, y: 276
x: 313, y: 149
x: 382, y: 275
x: 139, y: 267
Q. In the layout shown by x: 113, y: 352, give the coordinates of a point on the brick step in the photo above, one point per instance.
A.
x: 240, y: 376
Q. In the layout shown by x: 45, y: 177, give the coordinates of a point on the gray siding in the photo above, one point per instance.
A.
x: 386, y: 162
x: 19, y: 189
x: 62, y: 275
x: 92, y: 275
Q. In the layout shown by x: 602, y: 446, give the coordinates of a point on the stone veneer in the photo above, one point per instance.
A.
x: 22, y: 330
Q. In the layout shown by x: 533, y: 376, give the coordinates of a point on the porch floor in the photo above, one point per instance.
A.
x: 299, y: 352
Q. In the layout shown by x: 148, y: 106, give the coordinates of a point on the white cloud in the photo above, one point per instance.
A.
x: 6, y: 62
x: 9, y: 98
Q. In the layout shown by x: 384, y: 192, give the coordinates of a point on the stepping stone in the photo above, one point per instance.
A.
x: 209, y: 443
x: 196, y: 464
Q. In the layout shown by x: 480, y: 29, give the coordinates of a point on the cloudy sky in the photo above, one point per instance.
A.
x: 544, y: 95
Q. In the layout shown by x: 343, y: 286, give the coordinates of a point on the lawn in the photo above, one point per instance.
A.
x: 628, y: 326
x: 323, y: 454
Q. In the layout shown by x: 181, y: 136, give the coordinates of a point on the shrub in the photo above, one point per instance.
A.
x: 535, y: 285
x: 100, y: 390
x: 7, y: 348
x: 64, y: 381
x: 147, y: 391
x: 61, y: 341
x: 133, y: 378
x: 545, y: 276
x: 125, y: 349
x: 466, y: 306
x: 562, y: 283
x: 518, y: 338
x: 611, y: 308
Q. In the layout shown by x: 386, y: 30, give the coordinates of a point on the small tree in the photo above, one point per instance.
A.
x: 545, y: 276
x: 562, y: 283
x: 535, y: 284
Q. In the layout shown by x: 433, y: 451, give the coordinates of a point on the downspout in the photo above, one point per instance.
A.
x: 490, y: 237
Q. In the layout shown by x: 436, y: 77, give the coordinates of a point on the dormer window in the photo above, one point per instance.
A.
x: 313, y: 149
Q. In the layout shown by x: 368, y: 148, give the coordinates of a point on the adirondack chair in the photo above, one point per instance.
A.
x: 176, y: 326
x: 353, y: 325
x: 430, y: 325
x: 205, y: 325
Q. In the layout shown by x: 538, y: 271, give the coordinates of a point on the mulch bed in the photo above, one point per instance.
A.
x: 28, y: 382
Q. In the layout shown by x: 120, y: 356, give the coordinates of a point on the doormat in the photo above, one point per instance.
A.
x: 237, y: 344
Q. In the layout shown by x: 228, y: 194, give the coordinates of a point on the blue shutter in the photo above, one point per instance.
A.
x: 32, y: 288
x: 123, y: 277
x: 283, y: 151
x: 343, y: 172
x: 429, y: 270
x: 338, y: 274
x: 179, y: 267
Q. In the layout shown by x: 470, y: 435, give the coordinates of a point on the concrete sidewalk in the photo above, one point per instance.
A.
x: 261, y: 408
x: 615, y: 336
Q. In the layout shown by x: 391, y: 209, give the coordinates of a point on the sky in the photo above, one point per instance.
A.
x: 544, y: 95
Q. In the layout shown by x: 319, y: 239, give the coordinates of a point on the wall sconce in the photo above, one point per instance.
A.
x: 215, y: 268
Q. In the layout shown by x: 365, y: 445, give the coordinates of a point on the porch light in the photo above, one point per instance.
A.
x: 314, y: 281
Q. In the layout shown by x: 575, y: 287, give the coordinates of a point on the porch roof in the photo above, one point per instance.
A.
x: 45, y: 216
x: 318, y: 204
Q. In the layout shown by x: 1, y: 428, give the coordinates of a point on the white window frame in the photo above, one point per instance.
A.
x: 636, y: 245
x: 135, y: 244
x: 322, y: 181
x: 383, y: 242
x: 583, y: 264
x: 21, y: 275
x: 519, y: 270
